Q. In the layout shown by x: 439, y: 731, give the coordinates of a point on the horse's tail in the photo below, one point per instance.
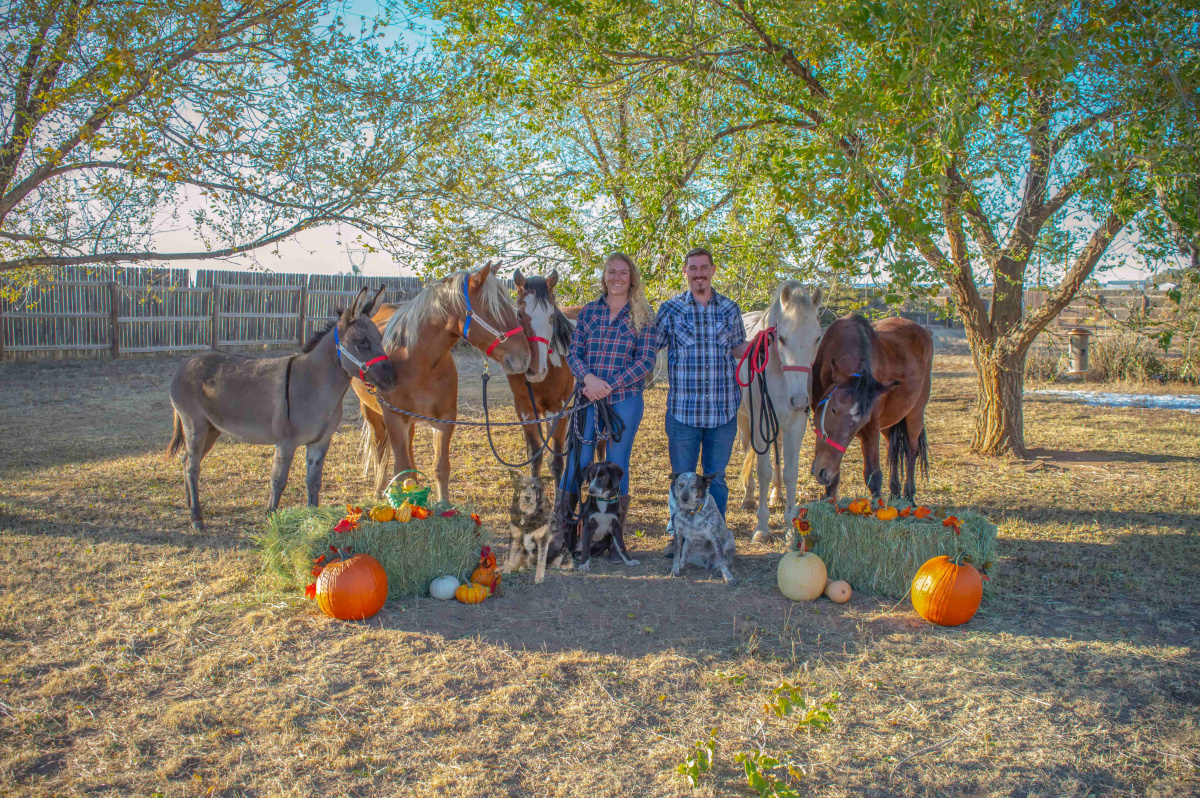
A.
x: 176, y: 435
x: 749, y: 463
x: 923, y: 454
x: 899, y: 447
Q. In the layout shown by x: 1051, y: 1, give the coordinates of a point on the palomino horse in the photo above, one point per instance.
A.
x: 872, y: 379
x: 289, y: 401
x: 418, y: 336
x: 792, y: 314
x: 549, y: 333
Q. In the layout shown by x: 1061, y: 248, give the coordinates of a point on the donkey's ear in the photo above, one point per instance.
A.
x: 480, y: 277
x: 552, y: 280
x: 816, y: 297
x: 785, y: 294
x: 358, y: 302
x: 519, y: 280
x: 370, y: 308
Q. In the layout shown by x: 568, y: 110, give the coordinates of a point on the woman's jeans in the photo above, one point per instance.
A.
x: 628, y: 410
x: 684, y: 444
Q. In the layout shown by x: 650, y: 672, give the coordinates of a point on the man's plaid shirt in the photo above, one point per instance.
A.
x: 611, y: 350
x: 700, y: 367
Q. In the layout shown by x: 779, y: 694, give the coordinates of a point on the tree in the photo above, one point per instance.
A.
x: 254, y: 119
x: 941, y: 136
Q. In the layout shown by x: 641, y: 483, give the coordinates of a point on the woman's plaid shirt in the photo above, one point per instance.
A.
x: 611, y: 350
x: 700, y: 367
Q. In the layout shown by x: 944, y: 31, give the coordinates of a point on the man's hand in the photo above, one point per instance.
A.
x: 595, y: 388
x: 739, y: 350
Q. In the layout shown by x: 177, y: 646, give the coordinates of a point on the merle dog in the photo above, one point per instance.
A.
x: 529, y: 529
x: 601, y: 530
x: 701, y: 536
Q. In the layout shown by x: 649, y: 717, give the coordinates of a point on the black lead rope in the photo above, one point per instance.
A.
x: 768, y: 422
x: 546, y: 439
x: 609, y: 427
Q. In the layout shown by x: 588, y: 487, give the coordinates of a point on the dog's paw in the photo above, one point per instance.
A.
x: 631, y: 563
x: 585, y: 567
x: 731, y: 582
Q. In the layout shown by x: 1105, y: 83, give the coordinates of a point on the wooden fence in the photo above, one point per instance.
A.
x: 117, y: 311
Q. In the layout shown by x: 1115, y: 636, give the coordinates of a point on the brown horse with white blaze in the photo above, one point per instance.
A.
x: 418, y: 337
x: 551, y: 382
x: 872, y: 379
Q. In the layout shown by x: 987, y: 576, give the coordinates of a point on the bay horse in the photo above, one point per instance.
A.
x: 418, y: 337
x: 548, y: 331
x: 289, y: 401
x: 873, y: 379
x: 792, y: 315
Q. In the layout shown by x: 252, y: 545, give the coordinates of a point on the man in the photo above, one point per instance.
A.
x: 704, y: 336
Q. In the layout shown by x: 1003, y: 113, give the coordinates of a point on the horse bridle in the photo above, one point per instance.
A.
x: 758, y: 355
x: 819, y: 429
x: 362, y: 367
x: 500, y: 337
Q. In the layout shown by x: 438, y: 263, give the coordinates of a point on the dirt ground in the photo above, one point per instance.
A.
x: 140, y: 658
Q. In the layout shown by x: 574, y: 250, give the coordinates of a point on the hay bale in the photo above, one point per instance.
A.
x: 882, y: 557
x: 412, y: 554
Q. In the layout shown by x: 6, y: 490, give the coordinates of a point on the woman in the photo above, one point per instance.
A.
x: 612, y: 351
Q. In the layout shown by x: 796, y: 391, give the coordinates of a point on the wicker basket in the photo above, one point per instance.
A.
x: 396, y: 495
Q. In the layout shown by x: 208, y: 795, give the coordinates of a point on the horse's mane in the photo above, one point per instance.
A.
x: 440, y: 300
x: 862, y: 385
x: 562, y: 327
x: 321, y: 333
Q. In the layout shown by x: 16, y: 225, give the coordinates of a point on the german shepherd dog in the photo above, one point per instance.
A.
x: 530, y: 530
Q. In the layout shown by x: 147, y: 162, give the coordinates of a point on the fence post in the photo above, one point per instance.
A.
x: 114, y: 313
x: 302, y: 315
x: 216, y: 315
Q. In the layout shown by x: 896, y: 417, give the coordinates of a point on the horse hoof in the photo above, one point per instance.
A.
x: 749, y: 503
x: 765, y: 538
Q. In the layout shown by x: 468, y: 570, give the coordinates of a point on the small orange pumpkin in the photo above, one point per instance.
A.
x: 352, y: 588
x: 887, y: 513
x: 472, y: 593
x: 947, y: 592
x: 382, y: 513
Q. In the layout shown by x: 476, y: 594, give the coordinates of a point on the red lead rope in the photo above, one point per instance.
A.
x: 756, y: 356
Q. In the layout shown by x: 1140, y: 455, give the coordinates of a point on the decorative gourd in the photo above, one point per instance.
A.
x: 382, y: 513
x: 410, y: 484
x: 352, y: 588
x: 486, y: 572
x: 801, y: 576
x: 838, y: 592
x: 443, y: 587
x: 947, y: 592
x: 472, y: 593
x: 403, y: 513
x: 886, y: 513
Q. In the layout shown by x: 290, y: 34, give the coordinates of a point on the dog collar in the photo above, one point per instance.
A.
x: 604, y: 504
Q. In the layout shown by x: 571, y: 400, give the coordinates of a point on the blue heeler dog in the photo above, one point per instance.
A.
x: 701, y: 537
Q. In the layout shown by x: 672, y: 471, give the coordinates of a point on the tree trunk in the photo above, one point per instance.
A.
x: 999, y: 418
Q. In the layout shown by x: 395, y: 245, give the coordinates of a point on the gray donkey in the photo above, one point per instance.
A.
x: 289, y: 401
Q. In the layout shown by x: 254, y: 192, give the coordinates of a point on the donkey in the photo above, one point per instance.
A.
x: 418, y: 337
x: 289, y: 401
x: 792, y: 314
x: 551, y: 381
x: 873, y: 379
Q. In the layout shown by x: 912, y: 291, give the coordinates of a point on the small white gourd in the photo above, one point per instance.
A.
x: 443, y: 587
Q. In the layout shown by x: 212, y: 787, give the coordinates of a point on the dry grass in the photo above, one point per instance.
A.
x: 138, y: 658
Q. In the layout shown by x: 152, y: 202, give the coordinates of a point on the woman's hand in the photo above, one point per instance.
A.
x: 595, y: 388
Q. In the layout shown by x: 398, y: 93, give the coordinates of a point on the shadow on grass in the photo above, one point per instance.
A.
x: 1109, y: 519
x: 1102, y: 456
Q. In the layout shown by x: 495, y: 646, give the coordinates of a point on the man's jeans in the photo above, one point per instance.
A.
x: 684, y: 446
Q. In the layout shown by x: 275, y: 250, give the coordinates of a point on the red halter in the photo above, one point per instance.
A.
x: 819, y: 430
x: 758, y: 355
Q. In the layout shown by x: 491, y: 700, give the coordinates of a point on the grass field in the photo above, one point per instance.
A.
x: 140, y: 658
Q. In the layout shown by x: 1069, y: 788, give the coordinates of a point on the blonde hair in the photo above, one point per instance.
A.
x: 639, y: 308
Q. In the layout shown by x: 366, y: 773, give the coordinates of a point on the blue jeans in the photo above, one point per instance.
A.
x: 628, y: 410
x: 684, y: 445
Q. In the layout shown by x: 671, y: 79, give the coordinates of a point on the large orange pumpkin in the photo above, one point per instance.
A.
x: 352, y: 588
x: 947, y: 592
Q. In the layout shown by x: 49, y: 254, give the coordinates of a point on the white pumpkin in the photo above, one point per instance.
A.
x: 443, y: 587
x: 801, y: 577
x: 838, y: 592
